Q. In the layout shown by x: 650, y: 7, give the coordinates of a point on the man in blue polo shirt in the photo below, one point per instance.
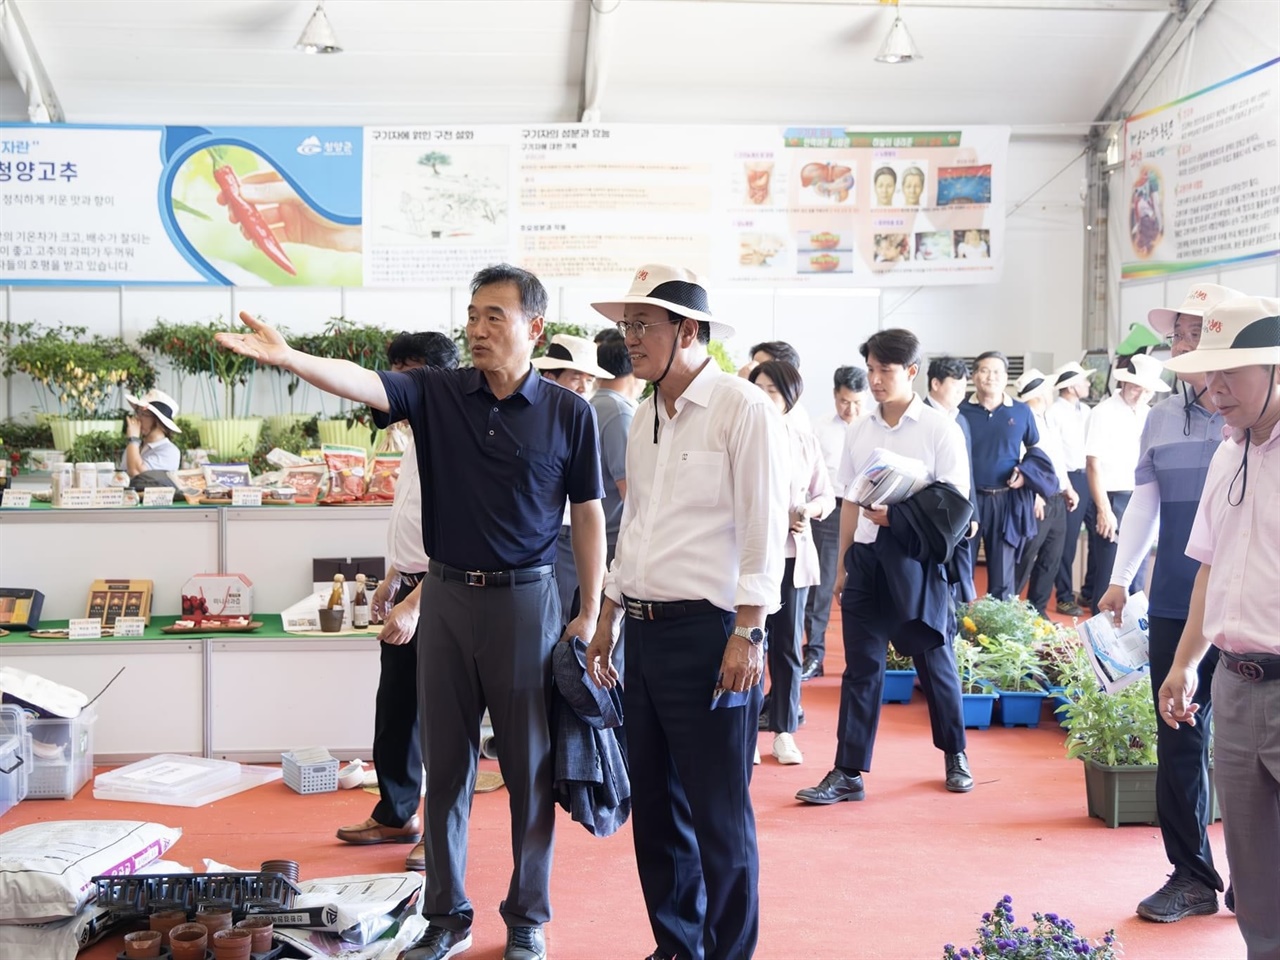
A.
x: 499, y: 449
x: 1000, y: 427
x: 1179, y: 439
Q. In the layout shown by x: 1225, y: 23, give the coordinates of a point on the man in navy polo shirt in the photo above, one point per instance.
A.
x: 498, y: 450
x: 1000, y: 427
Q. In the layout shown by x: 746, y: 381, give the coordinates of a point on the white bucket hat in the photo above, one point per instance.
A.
x: 1070, y: 374
x: 681, y: 291
x: 1146, y: 373
x: 1200, y: 299
x: 1030, y: 381
x: 1240, y: 332
x: 568, y: 352
x: 160, y: 403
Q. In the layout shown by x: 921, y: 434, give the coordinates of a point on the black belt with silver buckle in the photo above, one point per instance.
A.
x: 660, y: 610
x: 1255, y: 671
x: 993, y: 492
x: 490, y: 578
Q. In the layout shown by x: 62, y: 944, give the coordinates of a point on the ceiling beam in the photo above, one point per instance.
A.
x: 1096, y: 6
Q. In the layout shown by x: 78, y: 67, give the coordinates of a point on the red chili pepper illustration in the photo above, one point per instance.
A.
x: 248, y: 216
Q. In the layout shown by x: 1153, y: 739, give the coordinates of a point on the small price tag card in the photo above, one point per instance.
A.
x: 158, y: 496
x: 246, y: 496
x: 108, y: 497
x: 77, y: 498
x: 129, y: 626
x: 16, y: 500
x: 87, y: 628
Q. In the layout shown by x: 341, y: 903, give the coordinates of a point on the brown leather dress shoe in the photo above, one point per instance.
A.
x: 371, y: 831
x: 417, y: 858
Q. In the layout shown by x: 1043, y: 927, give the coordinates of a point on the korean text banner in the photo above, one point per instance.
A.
x: 168, y: 205
x: 1202, y: 178
x: 829, y: 206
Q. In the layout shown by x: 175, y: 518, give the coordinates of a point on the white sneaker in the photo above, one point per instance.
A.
x: 785, y: 749
x: 756, y: 761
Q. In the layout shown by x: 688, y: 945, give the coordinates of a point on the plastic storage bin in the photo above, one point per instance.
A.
x: 15, y: 757
x: 310, y: 771
x: 62, y: 760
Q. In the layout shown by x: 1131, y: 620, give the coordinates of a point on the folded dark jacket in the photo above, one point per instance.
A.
x: 591, y: 780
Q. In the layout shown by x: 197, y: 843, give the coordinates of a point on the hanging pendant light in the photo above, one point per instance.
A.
x: 898, y: 47
x: 318, y: 35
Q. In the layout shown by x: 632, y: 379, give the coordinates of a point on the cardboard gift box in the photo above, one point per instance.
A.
x: 109, y: 599
x: 218, y: 595
x: 20, y: 608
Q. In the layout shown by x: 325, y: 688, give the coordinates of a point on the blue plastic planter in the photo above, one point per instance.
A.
x: 1058, y: 699
x: 898, y: 686
x: 977, y: 709
x: 1021, y: 708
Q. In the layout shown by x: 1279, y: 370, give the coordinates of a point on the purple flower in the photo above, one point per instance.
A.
x: 964, y: 951
x: 1007, y: 899
x: 986, y: 917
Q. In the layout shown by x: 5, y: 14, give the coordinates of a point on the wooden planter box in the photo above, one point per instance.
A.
x: 1121, y: 794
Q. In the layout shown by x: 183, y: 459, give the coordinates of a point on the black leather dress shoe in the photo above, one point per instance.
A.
x: 439, y: 943
x: 959, y: 779
x: 525, y: 943
x: 835, y: 786
x: 812, y: 668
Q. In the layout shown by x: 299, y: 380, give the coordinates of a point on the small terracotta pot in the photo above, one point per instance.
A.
x: 142, y: 944
x: 330, y: 620
x: 234, y: 944
x: 262, y: 929
x: 214, y: 918
x: 189, y: 941
x: 166, y: 920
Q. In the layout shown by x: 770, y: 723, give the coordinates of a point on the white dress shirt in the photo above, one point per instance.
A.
x: 1051, y: 444
x: 924, y: 432
x: 404, y: 532
x: 809, y: 482
x: 705, y: 516
x: 831, y: 436
x: 1070, y: 419
x: 1115, y: 438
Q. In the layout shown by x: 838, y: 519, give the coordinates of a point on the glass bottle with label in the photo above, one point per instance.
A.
x: 337, y: 595
x: 360, y: 606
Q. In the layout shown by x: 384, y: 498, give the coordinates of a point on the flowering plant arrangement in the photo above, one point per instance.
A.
x: 82, y: 373
x: 1051, y: 938
x: 1013, y: 618
x: 1114, y: 729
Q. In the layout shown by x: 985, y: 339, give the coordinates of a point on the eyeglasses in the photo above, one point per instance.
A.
x: 636, y: 328
x: 1192, y: 338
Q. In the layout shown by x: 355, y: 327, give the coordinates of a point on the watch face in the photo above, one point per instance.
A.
x: 754, y: 634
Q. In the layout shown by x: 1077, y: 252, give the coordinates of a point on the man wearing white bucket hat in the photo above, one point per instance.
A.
x: 1178, y: 442
x: 149, y: 429
x: 571, y: 362
x: 1069, y: 420
x: 1111, y: 453
x: 1235, y: 604
x: 698, y: 568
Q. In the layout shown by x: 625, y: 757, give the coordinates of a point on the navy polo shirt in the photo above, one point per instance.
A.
x: 998, y: 438
x: 494, y: 473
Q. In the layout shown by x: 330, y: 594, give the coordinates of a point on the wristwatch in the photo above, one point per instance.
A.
x: 137, y: 440
x: 753, y: 634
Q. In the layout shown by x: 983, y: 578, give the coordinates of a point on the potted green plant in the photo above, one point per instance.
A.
x: 1013, y: 668
x: 1114, y: 734
x: 977, y: 695
x: 899, y: 677
x: 84, y: 375
x: 362, y: 344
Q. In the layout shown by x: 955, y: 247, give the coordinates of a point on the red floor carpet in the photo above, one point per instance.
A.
x: 896, y: 876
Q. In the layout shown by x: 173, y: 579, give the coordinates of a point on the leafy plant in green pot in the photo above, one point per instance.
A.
x: 83, y: 375
x: 364, y: 345
x: 977, y: 694
x: 899, y: 677
x: 1114, y: 734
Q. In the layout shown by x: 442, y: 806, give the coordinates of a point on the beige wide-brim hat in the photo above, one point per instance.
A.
x: 1200, y: 299
x: 1240, y: 332
x: 1070, y: 374
x: 1146, y: 374
x: 161, y: 404
x: 568, y: 352
x: 1030, y: 381
x: 681, y: 291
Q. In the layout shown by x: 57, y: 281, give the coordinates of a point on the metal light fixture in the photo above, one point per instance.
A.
x: 318, y: 35
x: 898, y: 47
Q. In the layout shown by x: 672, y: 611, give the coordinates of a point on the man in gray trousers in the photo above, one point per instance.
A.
x: 499, y: 449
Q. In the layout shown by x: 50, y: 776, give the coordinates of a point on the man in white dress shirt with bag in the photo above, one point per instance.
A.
x: 698, y: 568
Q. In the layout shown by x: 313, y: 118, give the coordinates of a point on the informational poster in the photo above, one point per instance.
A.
x: 1202, y: 177
x: 260, y: 206
x: 410, y: 206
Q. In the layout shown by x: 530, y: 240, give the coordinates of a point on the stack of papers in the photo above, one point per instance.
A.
x: 1119, y: 654
x: 888, y: 478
